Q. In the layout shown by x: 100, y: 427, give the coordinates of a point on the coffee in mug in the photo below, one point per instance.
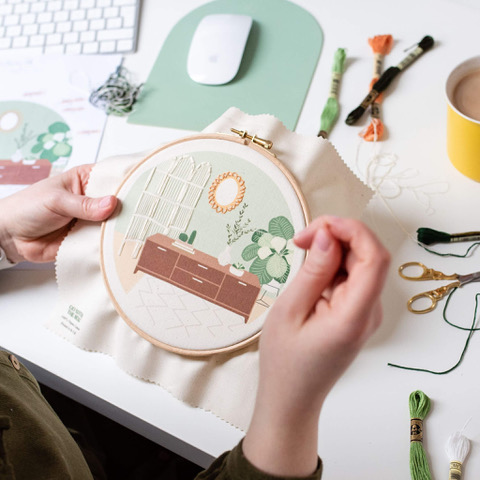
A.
x: 463, y: 118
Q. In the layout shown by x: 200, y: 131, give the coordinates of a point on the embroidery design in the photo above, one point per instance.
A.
x: 184, y: 277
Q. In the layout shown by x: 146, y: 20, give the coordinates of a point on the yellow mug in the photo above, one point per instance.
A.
x: 463, y: 118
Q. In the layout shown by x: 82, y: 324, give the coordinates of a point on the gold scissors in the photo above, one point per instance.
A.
x: 431, y: 274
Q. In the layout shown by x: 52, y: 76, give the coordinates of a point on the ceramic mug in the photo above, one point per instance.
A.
x: 463, y: 118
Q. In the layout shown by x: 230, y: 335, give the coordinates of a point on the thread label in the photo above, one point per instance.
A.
x: 377, y: 65
x: 455, y: 471
x: 410, y: 58
x: 470, y: 238
x: 416, y: 430
x: 369, y: 98
x: 334, y: 85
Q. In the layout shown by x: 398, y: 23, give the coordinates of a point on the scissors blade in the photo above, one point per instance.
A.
x: 472, y: 277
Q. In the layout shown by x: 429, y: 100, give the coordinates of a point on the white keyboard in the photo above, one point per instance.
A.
x: 69, y: 26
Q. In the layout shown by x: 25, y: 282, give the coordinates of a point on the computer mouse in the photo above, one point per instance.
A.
x: 217, y: 48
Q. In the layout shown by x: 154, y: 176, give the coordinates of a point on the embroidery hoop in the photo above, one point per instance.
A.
x: 227, y: 140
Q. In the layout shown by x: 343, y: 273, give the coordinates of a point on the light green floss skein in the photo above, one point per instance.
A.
x: 419, y: 405
x: 332, y: 108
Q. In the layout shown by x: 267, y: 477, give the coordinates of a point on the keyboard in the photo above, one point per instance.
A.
x: 69, y: 26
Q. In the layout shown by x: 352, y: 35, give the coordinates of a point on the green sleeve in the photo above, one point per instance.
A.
x: 234, y: 466
x: 34, y: 443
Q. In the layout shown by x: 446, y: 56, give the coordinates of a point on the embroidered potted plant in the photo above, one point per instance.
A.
x: 271, y: 251
x: 235, y: 231
x: 185, y: 242
x: 188, y: 239
x: 237, y: 269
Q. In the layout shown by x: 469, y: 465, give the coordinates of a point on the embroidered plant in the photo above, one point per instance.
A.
x: 188, y: 239
x: 55, y: 143
x: 21, y: 142
x: 271, y: 251
x: 25, y: 136
x: 239, y: 228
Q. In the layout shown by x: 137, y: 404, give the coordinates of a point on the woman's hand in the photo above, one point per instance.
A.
x: 34, y: 221
x: 313, y: 332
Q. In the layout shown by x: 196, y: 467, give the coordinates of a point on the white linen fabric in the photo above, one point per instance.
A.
x: 224, y: 384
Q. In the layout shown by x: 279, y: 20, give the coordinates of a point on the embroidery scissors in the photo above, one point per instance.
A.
x: 437, y: 294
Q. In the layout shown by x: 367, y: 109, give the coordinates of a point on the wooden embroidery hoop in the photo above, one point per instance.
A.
x: 242, y: 138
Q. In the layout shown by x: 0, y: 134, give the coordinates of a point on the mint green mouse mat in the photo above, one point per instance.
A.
x: 280, y: 58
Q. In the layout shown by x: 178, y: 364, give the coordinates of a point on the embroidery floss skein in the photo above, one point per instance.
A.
x: 419, y: 405
x: 387, y: 77
x: 332, y: 108
x: 381, y: 45
x: 429, y: 236
x: 457, y: 449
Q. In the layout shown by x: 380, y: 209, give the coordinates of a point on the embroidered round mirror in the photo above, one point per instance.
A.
x: 9, y: 121
x: 226, y: 192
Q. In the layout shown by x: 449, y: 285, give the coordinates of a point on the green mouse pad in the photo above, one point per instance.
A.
x: 280, y: 57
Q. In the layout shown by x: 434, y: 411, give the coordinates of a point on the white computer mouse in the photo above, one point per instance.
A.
x: 217, y: 48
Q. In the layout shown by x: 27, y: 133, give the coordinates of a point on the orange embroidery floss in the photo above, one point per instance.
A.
x: 381, y: 46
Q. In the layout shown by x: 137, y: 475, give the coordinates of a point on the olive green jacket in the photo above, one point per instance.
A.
x: 34, y: 443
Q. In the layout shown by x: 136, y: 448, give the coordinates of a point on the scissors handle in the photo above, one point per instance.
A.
x: 432, y: 295
x: 425, y: 274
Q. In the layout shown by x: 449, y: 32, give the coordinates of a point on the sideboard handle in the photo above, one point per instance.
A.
x: 162, y: 249
x: 202, y: 266
x: 197, y: 280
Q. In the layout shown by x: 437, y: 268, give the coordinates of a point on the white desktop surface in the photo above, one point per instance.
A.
x: 364, y: 428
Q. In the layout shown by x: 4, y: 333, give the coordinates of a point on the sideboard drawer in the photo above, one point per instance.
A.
x: 192, y: 283
x: 158, y: 259
x: 201, y: 270
x: 238, y: 294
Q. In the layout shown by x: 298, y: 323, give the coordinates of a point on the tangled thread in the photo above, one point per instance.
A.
x: 117, y: 95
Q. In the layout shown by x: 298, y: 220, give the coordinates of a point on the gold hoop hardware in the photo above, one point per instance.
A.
x: 267, y: 144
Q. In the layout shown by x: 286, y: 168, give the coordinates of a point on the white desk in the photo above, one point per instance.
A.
x: 365, y: 422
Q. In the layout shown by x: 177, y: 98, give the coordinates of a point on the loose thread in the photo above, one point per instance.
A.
x: 419, y: 406
x: 457, y: 255
x: 117, y: 95
x: 376, y: 185
x: 331, y: 110
x: 381, y: 45
x: 471, y: 331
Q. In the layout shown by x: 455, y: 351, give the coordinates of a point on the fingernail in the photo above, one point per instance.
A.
x: 323, y: 240
x: 105, y: 202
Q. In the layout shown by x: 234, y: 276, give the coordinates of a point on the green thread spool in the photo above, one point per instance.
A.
x: 419, y: 405
x: 332, y: 108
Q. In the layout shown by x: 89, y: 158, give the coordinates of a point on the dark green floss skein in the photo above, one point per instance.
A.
x: 419, y: 405
x: 428, y: 236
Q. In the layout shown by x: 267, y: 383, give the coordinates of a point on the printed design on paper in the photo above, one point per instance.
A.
x: 35, y: 142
